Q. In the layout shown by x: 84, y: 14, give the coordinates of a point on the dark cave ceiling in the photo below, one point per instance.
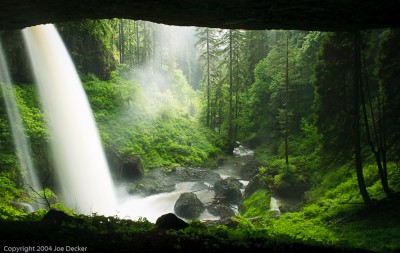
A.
x: 322, y: 15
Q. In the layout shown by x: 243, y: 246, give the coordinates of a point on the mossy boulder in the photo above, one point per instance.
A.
x: 228, y: 190
x: 221, y: 210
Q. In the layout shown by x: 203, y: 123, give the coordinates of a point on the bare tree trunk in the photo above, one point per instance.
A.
x: 137, y: 43
x: 121, y: 42
x: 230, y: 131
x: 287, y: 101
x: 208, y: 79
x: 380, y: 152
x: 356, y: 115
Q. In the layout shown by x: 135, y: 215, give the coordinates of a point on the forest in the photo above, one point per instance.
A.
x: 320, y: 111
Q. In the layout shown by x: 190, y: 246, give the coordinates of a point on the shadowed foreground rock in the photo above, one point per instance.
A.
x: 170, y: 221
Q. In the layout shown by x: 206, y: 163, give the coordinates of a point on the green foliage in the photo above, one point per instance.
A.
x: 160, y: 126
x: 379, y: 236
x: 31, y: 112
x: 257, y: 204
x: 334, y: 93
x: 264, y: 122
x: 111, y: 225
x: 325, y: 220
x: 9, y: 193
x: 387, y: 67
x: 289, y: 181
x: 297, y: 226
x: 91, y: 46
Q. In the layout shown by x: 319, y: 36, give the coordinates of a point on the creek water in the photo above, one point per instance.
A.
x: 153, y: 206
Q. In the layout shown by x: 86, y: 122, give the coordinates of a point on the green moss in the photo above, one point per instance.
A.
x: 257, y: 204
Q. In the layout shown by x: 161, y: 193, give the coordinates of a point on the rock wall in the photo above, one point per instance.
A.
x: 244, y: 14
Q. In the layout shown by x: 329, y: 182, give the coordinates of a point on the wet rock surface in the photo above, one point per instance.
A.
x: 221, y: 210
x: 188, y: 206
x: 228, y: 191
x: 206, y: 194
x: 132, y: 169
x: 160, y: 180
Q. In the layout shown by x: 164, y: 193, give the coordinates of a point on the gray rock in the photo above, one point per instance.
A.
x: 228, y: 191
x: 132, y: 169
x: 159, y: 180
x: 188, y: 206
x: 221, y: 210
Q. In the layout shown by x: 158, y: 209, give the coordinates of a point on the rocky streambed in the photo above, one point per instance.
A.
x: 192, y: 193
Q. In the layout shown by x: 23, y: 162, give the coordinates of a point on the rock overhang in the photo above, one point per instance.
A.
x: 321, y: 15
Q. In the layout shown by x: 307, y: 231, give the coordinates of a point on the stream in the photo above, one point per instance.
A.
x: 153, y: 206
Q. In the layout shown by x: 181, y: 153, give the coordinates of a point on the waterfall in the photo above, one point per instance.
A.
x: 274, y: 206
x: 81, y: 166
x: 23, y: 150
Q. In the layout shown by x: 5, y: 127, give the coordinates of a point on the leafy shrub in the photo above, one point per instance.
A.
x: 9, y: 193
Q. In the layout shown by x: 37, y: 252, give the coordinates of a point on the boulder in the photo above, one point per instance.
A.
x: 132, y: 169
x: 170, y: 221
x: 187, y: 174
x: 199, y: 186
x: 56, y: 216
x: 256, y: 183
x: 229, y: 222
x: 158, y: 180
x: 188, y: 206
x: 250, y: 168
x: 221, y: 210
x: 228, y: 190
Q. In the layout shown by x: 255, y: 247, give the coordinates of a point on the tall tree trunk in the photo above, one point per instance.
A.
x: 382, y: 143
x: 356, y: 115
x: 230, y: 131
x: 144, y: 49
x: 208, y: 79
x: 154, y: 65
x: 137, y: 43
x: 287, y: 101
x: 380, y: 152
x: 131, y: 32
x: 236, y: 94
x: 220, y: 115
x: 121, y: 42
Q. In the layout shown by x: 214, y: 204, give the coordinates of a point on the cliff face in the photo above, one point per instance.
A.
x: 323, y: 15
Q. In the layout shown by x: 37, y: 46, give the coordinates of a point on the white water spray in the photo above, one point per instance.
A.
x: 274, y: 206
x: 153, y: 206
x: 81, y: 166
x: 23, y: 150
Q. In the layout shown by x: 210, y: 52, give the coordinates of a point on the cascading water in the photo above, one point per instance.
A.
x: 274, y: 206
x: 153, y: 206
x: 23, y: 150
x: 81, y: 166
